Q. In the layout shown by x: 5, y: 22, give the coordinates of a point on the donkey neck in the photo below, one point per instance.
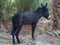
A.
x: 39, y: 13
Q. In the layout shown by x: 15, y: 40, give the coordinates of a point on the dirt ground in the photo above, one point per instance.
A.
x: 42, y: 35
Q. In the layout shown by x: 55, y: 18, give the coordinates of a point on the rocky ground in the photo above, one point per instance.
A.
x: 43, y: 35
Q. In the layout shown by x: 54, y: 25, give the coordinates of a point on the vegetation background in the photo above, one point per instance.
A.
x: 9, y: 7
x: 47, y: 31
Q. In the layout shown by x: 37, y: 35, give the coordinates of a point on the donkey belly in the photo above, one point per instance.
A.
x: 27, y: 21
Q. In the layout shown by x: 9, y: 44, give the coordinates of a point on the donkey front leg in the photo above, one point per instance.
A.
x: 33, y: 30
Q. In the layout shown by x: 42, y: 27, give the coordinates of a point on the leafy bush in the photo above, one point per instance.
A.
x: 10, y: 7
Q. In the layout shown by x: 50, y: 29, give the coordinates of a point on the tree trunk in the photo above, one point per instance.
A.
x: 56, y: 14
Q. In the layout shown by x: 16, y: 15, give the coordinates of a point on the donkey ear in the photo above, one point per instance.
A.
x: 46, y: 5
x: 42, y: 5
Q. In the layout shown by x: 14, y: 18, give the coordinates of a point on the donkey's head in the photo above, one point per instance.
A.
x: 45, y: 12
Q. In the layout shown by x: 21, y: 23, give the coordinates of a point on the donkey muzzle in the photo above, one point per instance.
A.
x: 49, y: 17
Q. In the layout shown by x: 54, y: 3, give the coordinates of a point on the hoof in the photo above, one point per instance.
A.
x: 33, y: 39
x: 18, y: 42
x: 14, y: 44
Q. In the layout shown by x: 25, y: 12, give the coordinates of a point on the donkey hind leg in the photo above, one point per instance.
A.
x: 33, y: 30
x: 12, y: 33
x: 17, y: 33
